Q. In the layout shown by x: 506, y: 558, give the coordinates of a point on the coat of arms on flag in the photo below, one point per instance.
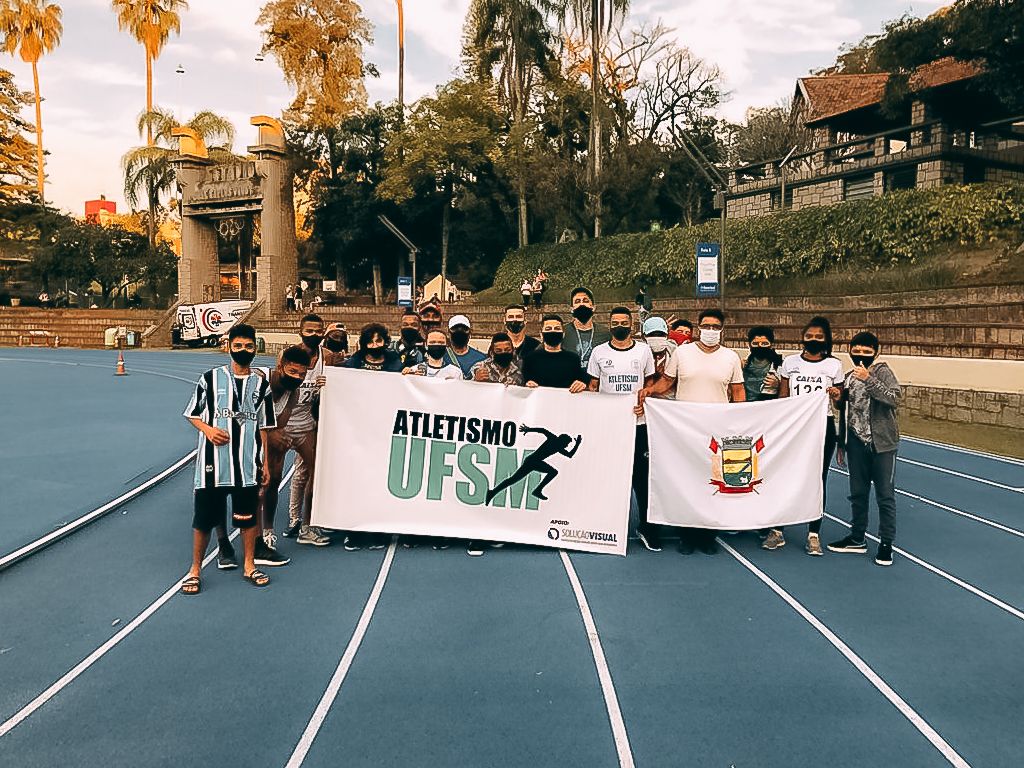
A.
x: 734, y: 464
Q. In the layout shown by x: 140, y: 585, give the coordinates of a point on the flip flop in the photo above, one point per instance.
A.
x: 257, y: 578
x: 188, y: 584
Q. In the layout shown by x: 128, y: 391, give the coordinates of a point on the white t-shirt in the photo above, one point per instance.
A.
x: 806, y: 377
x: 621, y: 371
x: 445, y: 373
x: 704, y: 377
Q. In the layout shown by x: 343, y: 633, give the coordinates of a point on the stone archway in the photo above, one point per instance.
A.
x: 221, y: 198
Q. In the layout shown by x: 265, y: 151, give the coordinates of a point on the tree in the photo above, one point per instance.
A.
x: 319, y: 47
x: 510, y: 41
x: 31, y: 28
x: 148, y: 172
x: 17, y: 155
x: 151, y: 23
x: 769, y: 134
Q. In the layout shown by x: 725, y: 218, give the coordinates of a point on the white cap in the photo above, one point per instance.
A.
x: 459, y: 320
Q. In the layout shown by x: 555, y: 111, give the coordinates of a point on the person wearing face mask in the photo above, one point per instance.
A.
x: 703, y: 372
x: 460, y: 352
x: 515, y: 324
x: 656, y: 336
x: 373, y: 353
x: 813, y: 370
x: 436, y: 366
x: 623, y: 367
x: 682, y: 332
x: 232, y: 408
x: 501, y: 365
x: 551, y: 365
x: 410, y: 344
x: 336, y: 341
x: 583, y: 334
x: 430, y: 316
x: 869, y: 436
x: 299, y: 436
x: 761, y: 368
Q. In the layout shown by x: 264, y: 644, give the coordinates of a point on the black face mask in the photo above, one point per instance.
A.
x: 583, y: 313
x: 504, y: 359
x: 762, y: 353
x: 374, y: 353
x: 516, y: 326
x: 436, y: 351
x: 410, y: 336
x: 620, y: 333
x: 243, y: 357
x: 553, y: 338
x: 289, y: 382
x: 312, y: 342
x: 336, y: 345
x: 865, y: 360
x: 460, y: 338
x: 815, y: 347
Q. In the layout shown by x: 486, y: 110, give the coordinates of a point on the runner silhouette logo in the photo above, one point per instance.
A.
x: 553, y: 445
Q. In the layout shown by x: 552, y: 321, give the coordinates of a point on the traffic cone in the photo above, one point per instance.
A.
x: 120, y: 365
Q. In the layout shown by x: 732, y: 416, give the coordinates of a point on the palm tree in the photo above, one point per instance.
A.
x: 148, y: 170
x: 514, y: 37
x: 151, y: 23
x: 594, y: 18
x: 32, y: 28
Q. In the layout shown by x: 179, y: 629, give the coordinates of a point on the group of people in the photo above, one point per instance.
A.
x: 532, y: 289
x: 250, y: 418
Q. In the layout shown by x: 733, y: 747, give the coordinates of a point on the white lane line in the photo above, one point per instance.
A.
x: 968, y: 451
x: 44, y: 541
x: 97, y: 365
x: 964, y: 475
x: 71, y: 675
x: 954, y: 510
x: 947, y: 751
x: 944, y: 574
x: 604, y: 674
x: 331, y: 693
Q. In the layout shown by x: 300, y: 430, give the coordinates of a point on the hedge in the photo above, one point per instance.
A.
x: 894, y: 229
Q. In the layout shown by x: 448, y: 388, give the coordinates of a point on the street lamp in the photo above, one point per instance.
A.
x: 180, y: 72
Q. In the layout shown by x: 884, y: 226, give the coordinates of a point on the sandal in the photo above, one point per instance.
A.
x: 257, y: 578
x: 191, y: 586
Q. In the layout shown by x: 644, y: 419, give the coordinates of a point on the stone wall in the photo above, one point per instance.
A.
x: 1000, y: 175
x: 965, y: 406
x: 751, y: 205
x: 936, y: 173
x: 812, y: 195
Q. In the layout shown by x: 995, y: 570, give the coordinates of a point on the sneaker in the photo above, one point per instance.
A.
x: 441, y: 544
x: 497, y: 544
x: 774, y: 540
x: 267, y: 555
x: 813, y: 546
x: 848, y: 544
x: 651, y: 541
x: 226, y: 557
x: 709, y: 547
x: 311, y: 535
x: 294, y: 526
x: 884, y: 556
x: 352, y: 543
x: 684, y: 547
x: 270, y: 538
x: 410, y: 542
x: 475, y: 549
x: 377, y: 541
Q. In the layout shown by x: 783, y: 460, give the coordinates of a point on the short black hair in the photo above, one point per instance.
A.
x: 296, y: 354
x: 711, y: 312
x: 552, y: 316
x: 499, y: 337
x: 311, y: 318
x: 761, y: 330
x: 369, y: 331
x: 515, y: 306
x: 676, y: 324
x: 865, y: 339
x: 440, y: 330
x: 577, y: 291
x: 621, y: 311
x: 241, y: 331
x: 826, y: 326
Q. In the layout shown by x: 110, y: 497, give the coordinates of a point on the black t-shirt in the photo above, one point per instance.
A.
x: 553, y: 369
x: 529, y: 345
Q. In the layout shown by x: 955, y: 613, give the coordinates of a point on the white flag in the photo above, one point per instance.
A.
x: 739, y: 466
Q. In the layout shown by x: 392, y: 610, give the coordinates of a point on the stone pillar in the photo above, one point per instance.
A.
x: 278, y: 262
x: 198, y: 267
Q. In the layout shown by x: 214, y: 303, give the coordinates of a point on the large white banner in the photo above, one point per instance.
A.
x: 404, y: 454
x: 739, y: 466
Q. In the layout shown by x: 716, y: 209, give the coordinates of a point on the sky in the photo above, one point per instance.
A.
x: 94, y: 83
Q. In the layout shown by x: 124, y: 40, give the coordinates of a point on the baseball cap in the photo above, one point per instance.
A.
x: 655, y: 325
x: 459, y: 320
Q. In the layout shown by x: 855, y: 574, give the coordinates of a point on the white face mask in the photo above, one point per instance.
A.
x: 657, y: 343
x: 710, y: 338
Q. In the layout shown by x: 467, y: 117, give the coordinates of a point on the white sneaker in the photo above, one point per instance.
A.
x: 814, y: 545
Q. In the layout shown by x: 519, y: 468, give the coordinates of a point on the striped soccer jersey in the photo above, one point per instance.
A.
x: 241, y: 406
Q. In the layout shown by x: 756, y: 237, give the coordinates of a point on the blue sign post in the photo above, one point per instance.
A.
x: 404, y: 291
x: 707, y: 269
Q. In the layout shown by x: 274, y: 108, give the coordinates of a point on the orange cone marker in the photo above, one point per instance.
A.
x: 120, y: 365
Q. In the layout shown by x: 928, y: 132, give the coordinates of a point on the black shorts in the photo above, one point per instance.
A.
x: 211, y: 507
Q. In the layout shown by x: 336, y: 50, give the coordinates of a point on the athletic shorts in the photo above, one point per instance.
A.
x: 211, y: 507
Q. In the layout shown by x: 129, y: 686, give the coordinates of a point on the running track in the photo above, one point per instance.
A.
x: 519, y: 658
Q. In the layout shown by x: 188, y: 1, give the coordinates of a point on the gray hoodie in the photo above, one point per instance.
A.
x: 885, y: 394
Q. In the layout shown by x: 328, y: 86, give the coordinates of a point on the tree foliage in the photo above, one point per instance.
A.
x: 17, y: 158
